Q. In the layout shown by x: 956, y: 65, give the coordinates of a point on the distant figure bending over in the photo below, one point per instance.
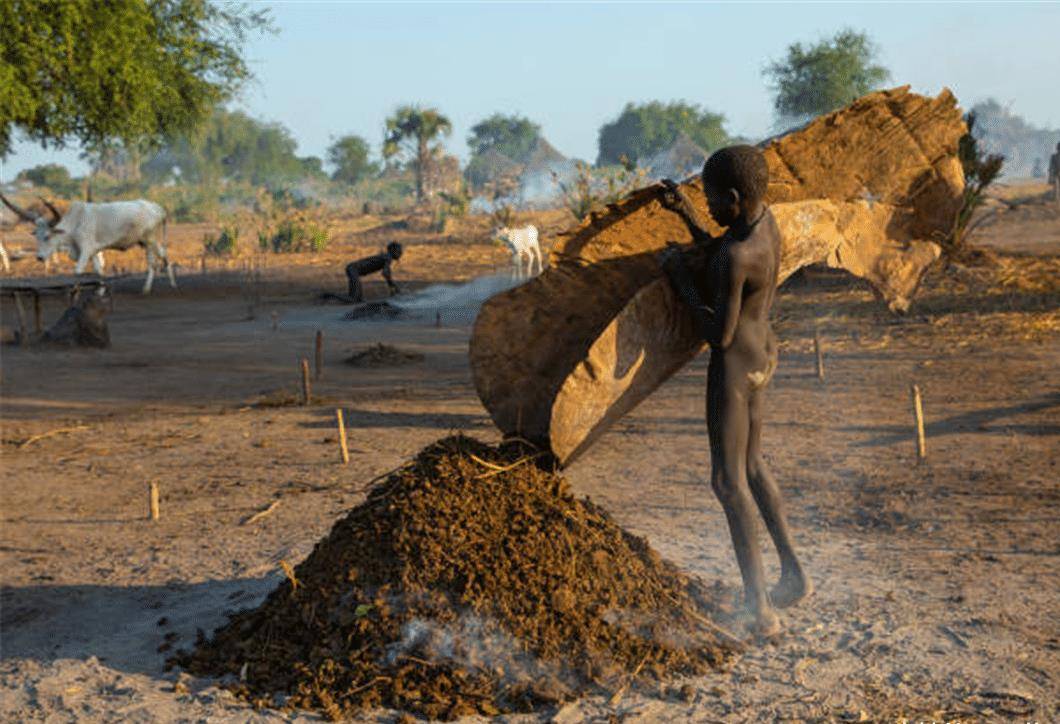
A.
x: 370, y: 265
x: 1054, y: 173
x: 741, y: 280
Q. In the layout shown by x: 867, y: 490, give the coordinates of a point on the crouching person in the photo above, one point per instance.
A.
x: 370, y: 265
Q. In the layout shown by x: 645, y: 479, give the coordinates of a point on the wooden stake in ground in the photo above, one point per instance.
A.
x: 918, y: 414
x: 344, y: 451
x: 202, y: 264
x: 21, y: 318
x: 306, y: 389
x: 275, y: 321
x: 155, y: 512
x: 319, y: 353
x: 37, y: 316
x: 818, y: 352
x: 262, y: 513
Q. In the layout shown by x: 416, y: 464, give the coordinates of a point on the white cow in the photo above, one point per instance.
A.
x: 88, y: 228
x: 521, y: 242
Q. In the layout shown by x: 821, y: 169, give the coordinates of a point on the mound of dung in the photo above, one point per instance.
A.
x: 383, y: 355
x: 470, y: 581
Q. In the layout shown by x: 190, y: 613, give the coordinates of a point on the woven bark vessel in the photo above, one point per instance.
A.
x: 869, y: 188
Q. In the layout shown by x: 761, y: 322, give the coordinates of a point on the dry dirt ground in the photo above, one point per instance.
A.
x: 937, y: 583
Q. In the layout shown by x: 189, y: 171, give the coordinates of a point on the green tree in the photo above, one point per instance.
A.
x: 511, y: 136
x: 231, y: 146
x: 54, y: 176
x: 815, y: 79
x: 644, y: 129
x: 413, y: 133
x: 349, y: 157
x: 312, y: 167
x: 126, y: 69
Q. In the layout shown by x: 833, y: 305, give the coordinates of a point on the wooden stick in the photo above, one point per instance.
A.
x: 202, y: 264
x: 275, y: 320
x: 306, y: 389
x: 155, y: 512
x: 37, y: 316
x: 319, y: 353
x: 918, y: 414
x: 625, y: 685
x: 21, y: 318
x: 262, y: 513
x: 57, y: 431
x: 343, y: 449
x: 818, y: 352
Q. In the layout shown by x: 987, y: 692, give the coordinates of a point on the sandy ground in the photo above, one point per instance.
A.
x: 936, y: 582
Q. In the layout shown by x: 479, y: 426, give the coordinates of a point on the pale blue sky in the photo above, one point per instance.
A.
x: 341, y: 67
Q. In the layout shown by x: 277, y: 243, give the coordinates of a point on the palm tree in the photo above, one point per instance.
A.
x: 411, y: 131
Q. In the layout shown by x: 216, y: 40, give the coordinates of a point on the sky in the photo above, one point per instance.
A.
x: 341, y: 67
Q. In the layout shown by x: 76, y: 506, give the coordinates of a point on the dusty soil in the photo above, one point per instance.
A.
x: 936, y: 581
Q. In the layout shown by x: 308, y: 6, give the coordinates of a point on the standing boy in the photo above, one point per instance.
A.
x: 740, y: 280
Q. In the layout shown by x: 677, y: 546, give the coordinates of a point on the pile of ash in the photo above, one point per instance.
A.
x: 471, y: 581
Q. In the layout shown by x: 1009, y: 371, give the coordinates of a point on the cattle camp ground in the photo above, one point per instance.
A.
x: 936, y: 577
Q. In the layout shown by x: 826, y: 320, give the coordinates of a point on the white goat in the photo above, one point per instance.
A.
x: 521, y: 242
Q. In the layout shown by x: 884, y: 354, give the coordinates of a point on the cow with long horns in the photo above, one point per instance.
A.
x: 88, y: 228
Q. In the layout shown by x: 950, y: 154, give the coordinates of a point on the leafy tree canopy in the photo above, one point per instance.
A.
x: 125, y: 69
x: 815, y: 79
x: 642, y: 130
x: 54, y: 176
x: 511, y: 136
x: 231, y: 146
x: 349, y: 157
x: 412, y: 132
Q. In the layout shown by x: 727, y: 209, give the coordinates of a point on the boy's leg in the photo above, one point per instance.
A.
x: 727, y: 425
x: 794, y: 585
x: 355, y: 289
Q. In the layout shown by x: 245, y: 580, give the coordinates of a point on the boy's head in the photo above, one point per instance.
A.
x: 393, y: 249
x: 735, y: 181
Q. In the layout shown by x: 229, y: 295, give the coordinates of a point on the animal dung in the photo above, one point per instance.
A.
x: 470, y: 581
x: 383, y: 355
x: 867, y: 188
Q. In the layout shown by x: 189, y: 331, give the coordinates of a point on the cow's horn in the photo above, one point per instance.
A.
x: 22, y: 213
x: 55, y: 212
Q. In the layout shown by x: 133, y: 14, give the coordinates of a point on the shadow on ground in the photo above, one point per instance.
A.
x: 129, y: 628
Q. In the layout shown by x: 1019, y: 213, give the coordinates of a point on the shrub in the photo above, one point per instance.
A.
x: 591, y: 189
x: 293, y: 235
x: 224, y: 244
x: 980, y: 170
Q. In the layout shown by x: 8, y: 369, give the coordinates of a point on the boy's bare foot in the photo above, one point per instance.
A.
x: 767, y: 623
x: 792, y: 589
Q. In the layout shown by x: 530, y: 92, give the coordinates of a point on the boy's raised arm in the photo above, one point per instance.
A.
x: 675, y: 199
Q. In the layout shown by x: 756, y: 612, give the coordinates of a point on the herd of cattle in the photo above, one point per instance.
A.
x: 88, y: 228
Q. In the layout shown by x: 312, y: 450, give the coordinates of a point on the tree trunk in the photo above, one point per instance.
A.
x: 868, y: 188
x: 422, y: 159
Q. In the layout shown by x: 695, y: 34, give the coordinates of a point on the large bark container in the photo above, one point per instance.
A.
x: 868, y: 188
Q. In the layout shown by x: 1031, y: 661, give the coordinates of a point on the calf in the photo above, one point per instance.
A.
x: 521, y: 242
